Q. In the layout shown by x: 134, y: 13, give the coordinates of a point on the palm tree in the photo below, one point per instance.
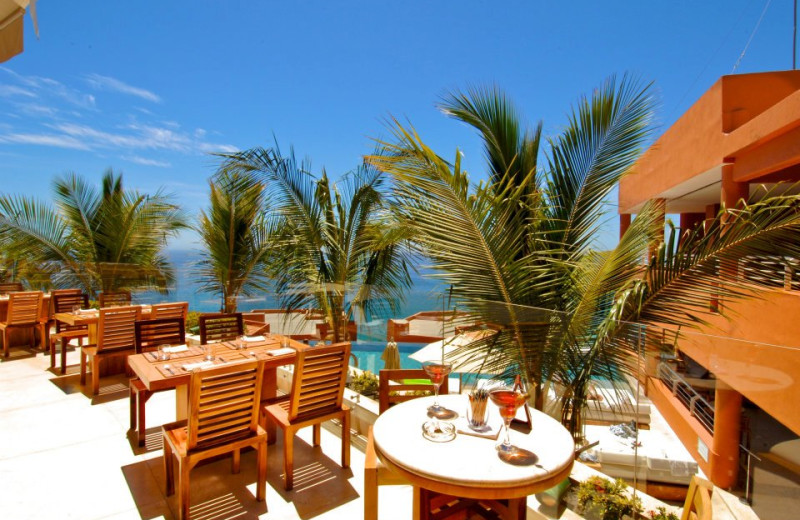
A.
x: 520, y: 249
x: 337, y: 248
x: 97, y: 240
x: 236, y: 234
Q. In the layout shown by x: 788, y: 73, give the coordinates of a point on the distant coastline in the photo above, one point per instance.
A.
x: 425, y: 294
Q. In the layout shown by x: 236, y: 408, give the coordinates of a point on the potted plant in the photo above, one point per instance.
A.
x: 603, y: 499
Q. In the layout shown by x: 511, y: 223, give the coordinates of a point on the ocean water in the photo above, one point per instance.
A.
x: 425, y: 294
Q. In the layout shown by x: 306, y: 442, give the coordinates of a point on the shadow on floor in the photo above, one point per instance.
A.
x: 112, y: 387
x: 16, y: 353
x: 216, y: 494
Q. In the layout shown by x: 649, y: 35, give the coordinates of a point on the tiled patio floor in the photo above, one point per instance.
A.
x: 64, y: 455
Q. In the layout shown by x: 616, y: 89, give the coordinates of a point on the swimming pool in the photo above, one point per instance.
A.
x: 369, y: 355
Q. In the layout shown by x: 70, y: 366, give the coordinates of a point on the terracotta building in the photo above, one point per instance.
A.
x: 741, y: 135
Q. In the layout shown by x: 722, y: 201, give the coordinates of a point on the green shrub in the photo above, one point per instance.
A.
x: 365, y: 383
x: 192, y: 322
x: 661, y: 514
x: 606, y: 499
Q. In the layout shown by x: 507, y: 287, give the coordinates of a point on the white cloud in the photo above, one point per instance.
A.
x: 59, y: 141
x: 12, y: 91
x: 108, y: 83
x: 36, y: 109
x: 218, y: 148
x: 144, y: 161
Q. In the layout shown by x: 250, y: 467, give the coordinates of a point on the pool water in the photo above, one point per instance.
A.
x: 369, y: 355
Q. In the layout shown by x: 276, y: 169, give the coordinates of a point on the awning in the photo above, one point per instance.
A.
x: 462, y: 362
x: 11, y: 26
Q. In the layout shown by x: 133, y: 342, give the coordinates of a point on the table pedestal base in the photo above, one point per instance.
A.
x: 430, y: 505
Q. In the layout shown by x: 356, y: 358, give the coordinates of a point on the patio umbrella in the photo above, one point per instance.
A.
x: 391, y: 356
x: 11, y: 25
x: 462, y: 362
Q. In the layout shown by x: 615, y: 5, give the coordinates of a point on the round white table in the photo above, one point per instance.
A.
x: 468, y: 466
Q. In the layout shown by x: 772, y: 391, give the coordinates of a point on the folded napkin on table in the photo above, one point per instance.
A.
x: 280, y: 351
x: 176, y: 348
x: 255, y: 338
x: 491, y: 431
x: 201, y: 364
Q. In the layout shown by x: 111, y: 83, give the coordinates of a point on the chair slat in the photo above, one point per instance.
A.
x: 220, y: 327
x: 319, y: 378
x: 223, y: 403
x: 169, y: 310
x: 116, y: 328
x: 165, y: 331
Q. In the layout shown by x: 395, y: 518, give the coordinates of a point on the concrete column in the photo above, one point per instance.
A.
x: 732, y: 191
x: 711, y: 214
x: 727, y: 430
x: 624, y: 223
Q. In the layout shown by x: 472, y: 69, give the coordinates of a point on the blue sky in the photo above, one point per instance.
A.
x: 151, y: 88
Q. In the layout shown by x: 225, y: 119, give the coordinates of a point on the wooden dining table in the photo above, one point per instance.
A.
x: 468, y: 466
x: 176, y: 372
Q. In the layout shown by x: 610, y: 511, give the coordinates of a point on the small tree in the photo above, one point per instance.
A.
x: 236, y: 235
x: 338, y: 249
x: 97, y: 240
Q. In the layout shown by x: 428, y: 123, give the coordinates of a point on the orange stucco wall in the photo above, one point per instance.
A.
x: 696, y: 135
x: 763, y: 363
x: 750, y: 120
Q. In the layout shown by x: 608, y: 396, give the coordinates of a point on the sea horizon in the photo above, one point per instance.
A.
x: 425, y: 294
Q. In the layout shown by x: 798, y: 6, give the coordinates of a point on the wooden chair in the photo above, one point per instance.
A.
x: 24, y: 312
x: 115, y: 299
x: 9, y: 287
x: 399, y: 385
x: 116, y: 337
x: 64, y: 302
x: 220, y: 327
x: 698, y: 500
x: 223, y: 418
x: 395, y: 386
x: 170, y: 310
x: 255, y: 323
x: 317, y: 391
x: 149, y: 335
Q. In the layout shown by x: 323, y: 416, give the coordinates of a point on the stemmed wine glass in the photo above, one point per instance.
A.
x: 437, y: 371
x: 508, y: 400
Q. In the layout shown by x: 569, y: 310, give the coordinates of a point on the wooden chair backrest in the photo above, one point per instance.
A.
x: 255, y: 323
x: 9, y: 287
x: 224, y: 403
x: 393, y: 389
x: 220, y: 327
x: 116, y: 329
x: 24, y: 308
x: 64, y: 302
x: 110, y: 299
x: 165, y: 331
x: 169, y: 310
x: 698, y: 500
x: 319, y: 377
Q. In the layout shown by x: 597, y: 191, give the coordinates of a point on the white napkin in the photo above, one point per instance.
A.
x: 253, y: 339
x: 202, y: 364
x: 88, y: 311
x: 280, y: 351
x: 177, y: 348
x: 491, y: 431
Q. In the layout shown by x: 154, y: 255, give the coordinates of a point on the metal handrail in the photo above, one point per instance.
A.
x: 686, y: 394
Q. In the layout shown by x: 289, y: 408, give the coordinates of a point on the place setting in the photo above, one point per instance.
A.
x: 445, y: 424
